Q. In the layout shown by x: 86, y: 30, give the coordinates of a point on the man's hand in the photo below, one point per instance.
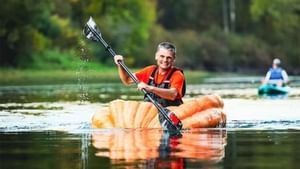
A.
x: 145, y: 86
x: 118, y: 58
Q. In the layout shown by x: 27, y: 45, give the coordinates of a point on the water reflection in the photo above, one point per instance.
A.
x: 107, y: 148
x: 155, y: 148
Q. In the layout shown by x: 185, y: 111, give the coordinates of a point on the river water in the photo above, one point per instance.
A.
x: 48, y: 126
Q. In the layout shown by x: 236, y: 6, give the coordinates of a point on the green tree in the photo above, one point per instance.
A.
x: 279, y: 24
x: 22, y: 28
x: 189, y: 14
x: 125, y: 24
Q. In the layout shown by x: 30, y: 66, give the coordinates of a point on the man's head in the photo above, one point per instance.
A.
x: 167, y: 45
x: 276, y: 62
x: 165, y: 55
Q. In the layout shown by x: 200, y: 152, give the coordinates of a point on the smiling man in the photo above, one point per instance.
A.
x: 164, y: 82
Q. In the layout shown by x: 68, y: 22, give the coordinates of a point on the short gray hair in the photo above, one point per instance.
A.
x: 167, y: 45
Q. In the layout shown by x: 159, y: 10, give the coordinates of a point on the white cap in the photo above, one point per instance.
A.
x: 276, y: 61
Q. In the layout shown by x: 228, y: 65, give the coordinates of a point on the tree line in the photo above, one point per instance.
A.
x: 214, y: 35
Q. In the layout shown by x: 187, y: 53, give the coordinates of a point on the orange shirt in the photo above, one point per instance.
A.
x: 176, y: 80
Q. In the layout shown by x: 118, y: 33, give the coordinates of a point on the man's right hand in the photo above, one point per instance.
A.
x: 145, y: 86
x: 118, y: 58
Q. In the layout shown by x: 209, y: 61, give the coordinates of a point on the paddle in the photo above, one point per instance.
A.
x: 171, y: 122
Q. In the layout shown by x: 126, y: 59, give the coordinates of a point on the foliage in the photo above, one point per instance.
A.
x: 215, y: 50
x: 47, y: 34
x: 124, y: 24
x: 192, y: 14
x: 279, y: 25
x: 20, y: 29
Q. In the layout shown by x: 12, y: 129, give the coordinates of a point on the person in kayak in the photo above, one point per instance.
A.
x: 276, y: 75
x: 164, y: 82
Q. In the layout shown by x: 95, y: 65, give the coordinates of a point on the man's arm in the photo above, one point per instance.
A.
x: 285, y: 76
x: 268, y: 75
x: 169, y: 94
x: 267, y: 78
x: 125, y: 78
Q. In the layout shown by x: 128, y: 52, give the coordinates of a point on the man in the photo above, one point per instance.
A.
x: 164, y: 82
x: 276, y: 75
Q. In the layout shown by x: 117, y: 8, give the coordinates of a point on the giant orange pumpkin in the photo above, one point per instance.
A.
x: 203, y: 112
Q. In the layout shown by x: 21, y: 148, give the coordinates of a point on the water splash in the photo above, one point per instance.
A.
x: 82, y: 73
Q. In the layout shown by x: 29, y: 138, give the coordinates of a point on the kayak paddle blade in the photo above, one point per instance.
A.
x: 171, y: 122
x: 91, y: 31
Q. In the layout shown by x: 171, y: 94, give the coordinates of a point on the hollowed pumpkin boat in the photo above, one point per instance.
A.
x: 202, y: 112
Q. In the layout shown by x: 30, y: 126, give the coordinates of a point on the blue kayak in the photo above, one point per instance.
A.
x: 270, y: 89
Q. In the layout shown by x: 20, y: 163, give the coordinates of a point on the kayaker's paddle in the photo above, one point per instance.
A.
x: 171, y: 121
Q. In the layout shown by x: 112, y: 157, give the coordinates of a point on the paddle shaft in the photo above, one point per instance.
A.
x: 112, y: 52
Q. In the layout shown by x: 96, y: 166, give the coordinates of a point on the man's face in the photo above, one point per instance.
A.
x: 164, y: 58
